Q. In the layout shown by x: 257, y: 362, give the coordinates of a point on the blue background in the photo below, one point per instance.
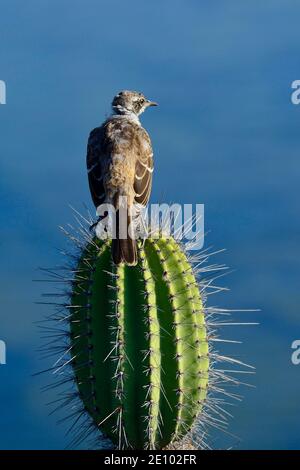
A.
x: 226, y: 134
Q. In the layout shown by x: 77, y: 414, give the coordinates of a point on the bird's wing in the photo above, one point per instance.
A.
x: 143, y: 170
x: 94, y: 166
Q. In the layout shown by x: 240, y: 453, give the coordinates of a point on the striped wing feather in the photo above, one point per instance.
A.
x: 143, y: 171
x: 94, y: 168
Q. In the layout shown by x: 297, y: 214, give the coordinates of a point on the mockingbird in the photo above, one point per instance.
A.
x: 120, y: 167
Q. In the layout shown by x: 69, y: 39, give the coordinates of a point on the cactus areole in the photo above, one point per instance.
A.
x: 139, y: 343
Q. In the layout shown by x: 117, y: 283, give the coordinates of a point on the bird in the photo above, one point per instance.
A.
x: 120, y: 168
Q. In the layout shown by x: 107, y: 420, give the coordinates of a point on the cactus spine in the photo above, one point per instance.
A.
x: 139, y: 343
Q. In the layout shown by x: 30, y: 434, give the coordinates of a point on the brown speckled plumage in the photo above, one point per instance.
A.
x: 120, y: 163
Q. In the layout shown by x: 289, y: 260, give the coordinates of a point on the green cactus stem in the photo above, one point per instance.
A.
x: 139, y: 343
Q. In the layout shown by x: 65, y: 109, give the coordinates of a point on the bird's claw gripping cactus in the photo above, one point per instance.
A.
x: 139, y: 343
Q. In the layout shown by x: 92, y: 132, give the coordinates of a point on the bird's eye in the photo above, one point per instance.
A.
x: 142, y: 101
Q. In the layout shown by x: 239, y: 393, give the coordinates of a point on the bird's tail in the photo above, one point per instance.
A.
x: 124, y: 249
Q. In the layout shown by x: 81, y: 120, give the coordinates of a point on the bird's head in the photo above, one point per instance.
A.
x: 131, y: 102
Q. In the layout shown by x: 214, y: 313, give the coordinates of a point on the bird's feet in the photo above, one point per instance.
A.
x: 94, y: 225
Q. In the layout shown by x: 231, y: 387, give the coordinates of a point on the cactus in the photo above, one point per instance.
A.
x: 135, y: 346
x: 139, y: 343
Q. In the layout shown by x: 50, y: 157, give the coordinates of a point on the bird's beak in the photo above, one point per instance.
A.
x: 151, y: 103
